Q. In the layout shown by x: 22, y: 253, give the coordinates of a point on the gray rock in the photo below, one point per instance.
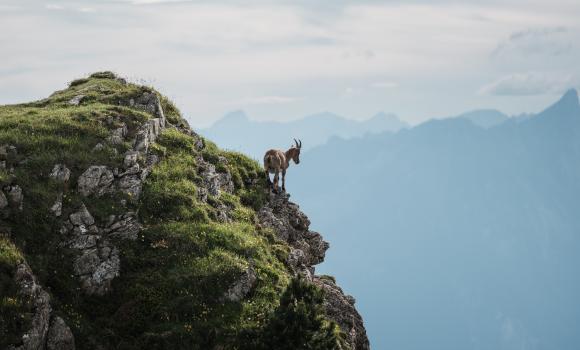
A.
x: 147, y: 134
x: 98, y: 147
x: 56, y: 208
x: 7, y: 151
x: 87, y: 262
x: 130, y: 159
x: 97, y: 262
x: 201, y: 194
x: 291, y: 225
x: 60, y: 173
x: 239, y: 289
x: 84, y: 241
x: 118, y: 135
x: 148, y: 102
x: 131, y: 185
x: 15, y: 196
x: 60, y: 336
x: 124, y: 227
x: 81, y: 217
x: 340, y: 309
x: 213, y: 181
x: 75, y: 101
x: 97, y: 268
x: 3, y: 200
x: 296, y: 258
x: 35, y: 337
x: 96, y: 180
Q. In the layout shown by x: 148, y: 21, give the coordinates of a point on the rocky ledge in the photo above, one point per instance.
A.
x: 307, y: 248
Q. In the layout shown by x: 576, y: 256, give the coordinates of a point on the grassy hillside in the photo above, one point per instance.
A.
x: 162, y: 248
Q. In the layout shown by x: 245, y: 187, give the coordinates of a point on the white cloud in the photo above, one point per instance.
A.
x: 151, y: 2
x: 87, y: 9
x: 385, y: 85
x: 538, y: 41
x: 54, y: 7
x: 207, y: 54
x: 531, y: 83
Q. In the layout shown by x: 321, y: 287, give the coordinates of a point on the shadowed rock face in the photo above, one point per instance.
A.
x: 340, y: 308
x: 47, y: 330
x: 308, y: 249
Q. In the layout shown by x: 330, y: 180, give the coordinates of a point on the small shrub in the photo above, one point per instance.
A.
x: 104, y: 75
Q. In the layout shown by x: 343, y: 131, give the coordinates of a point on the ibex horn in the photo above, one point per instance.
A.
x: 296, y: 142
x: 300, y: 143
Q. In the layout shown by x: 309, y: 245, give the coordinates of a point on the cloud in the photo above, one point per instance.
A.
x: 87, y: 9
x: 385, y: 85
x: 552, y: 41
x: 53, y: 7
x: 206, y: 54
x: 267, y: 100
x: 531, y: 83
x: 152, y: 2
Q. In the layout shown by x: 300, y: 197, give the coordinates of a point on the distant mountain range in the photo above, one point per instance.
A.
x: 461, y: 233
x: 486, y: 118
x: 458, y: 233
x: 239, y: 133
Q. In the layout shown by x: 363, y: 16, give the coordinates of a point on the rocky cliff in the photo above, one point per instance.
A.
x: 122, y: 228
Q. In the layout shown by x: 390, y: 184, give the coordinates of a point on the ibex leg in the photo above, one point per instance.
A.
x: 284, y: 180
x: 276, y: 178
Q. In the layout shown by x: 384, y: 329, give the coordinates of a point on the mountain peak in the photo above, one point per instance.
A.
x: 567, y: 105
x: 236, y: 115
x: 570, y: 98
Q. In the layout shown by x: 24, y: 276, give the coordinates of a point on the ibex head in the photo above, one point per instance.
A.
x: 295, y: 154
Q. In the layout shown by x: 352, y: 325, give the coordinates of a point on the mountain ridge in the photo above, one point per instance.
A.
x: 477, y: 224
x: 234, y: 128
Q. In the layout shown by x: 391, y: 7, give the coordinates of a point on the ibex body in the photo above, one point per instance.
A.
x: 277, y: 161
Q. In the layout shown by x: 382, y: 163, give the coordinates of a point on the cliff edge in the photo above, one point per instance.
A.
x: 120, y: 227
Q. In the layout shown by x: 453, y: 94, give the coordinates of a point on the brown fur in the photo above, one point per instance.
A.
x: 277, y: 161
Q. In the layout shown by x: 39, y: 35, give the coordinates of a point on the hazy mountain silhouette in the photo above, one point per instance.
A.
x: 485, y: 118
x: 455, y: 236
x: 237, y: 132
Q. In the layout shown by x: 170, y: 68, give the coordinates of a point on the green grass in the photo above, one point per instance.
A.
x: 15, y: 311
x: 174, y: 276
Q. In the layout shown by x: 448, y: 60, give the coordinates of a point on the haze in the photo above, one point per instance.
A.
x: 282, y: 60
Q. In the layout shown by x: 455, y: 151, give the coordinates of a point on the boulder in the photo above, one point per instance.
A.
x: 131, y: 185
x: 96, y: 180
x: 125, y: 226
x: 60, y: 173
x: 239, y: 289
x: 81, y: 217
x: 15, y: 196
x: 118, y: 135
x: 147, y: 134
x: 56, y: 208
x: 60, y: 336
x: 75, y: 101
x: 130, y: 159
x: 148, y: 102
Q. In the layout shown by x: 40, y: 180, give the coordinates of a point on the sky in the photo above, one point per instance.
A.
x: 282, y: 60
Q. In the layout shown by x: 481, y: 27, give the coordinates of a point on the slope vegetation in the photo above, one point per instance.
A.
x: 121, y: 228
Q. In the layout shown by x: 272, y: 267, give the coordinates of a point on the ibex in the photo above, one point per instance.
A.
x: 276, y: 161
